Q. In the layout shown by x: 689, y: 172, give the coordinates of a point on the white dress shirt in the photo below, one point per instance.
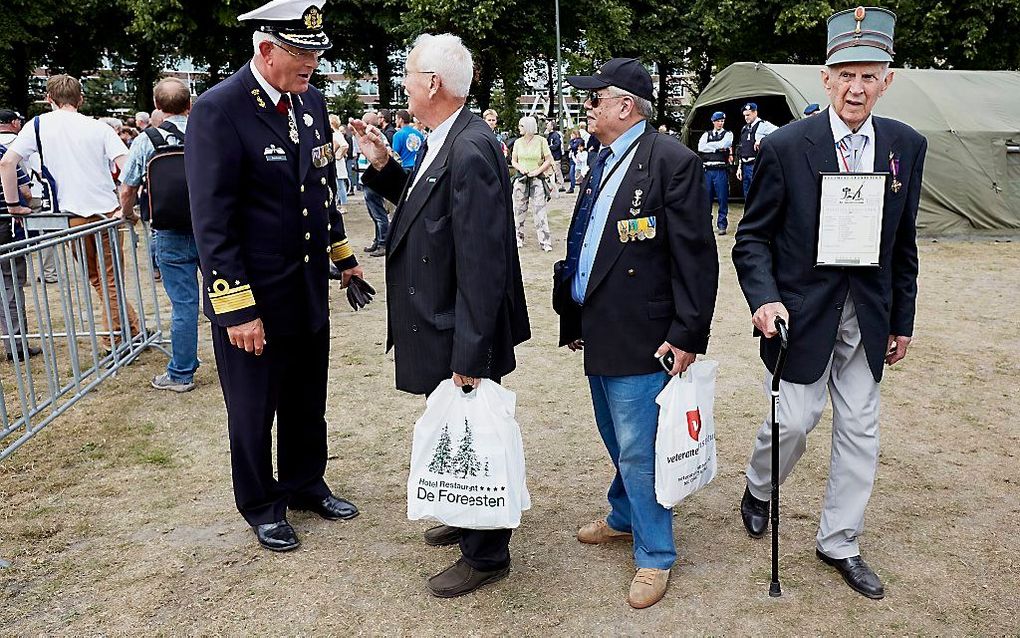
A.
x: 435, y: 141
x: 841, y: 130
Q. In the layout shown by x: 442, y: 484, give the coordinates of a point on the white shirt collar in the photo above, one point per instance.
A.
x: 271, y: 93
x: 841, y: 130
x: 438, y: 135
x: 434, y: 142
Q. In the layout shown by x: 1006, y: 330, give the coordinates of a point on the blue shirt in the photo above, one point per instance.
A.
x: 600, y: 212
x: 142, y: 150
x: 406, y: 143
x: 22, y: 181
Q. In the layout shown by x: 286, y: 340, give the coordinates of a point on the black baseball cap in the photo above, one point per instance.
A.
x: 623, y: 73
x: 7, y: 116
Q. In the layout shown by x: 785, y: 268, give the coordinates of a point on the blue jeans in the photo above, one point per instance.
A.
x: 178, y: 261
x: 341, y: 190
x: 747, y: 170
x: 573, y: 174
x: 628, y: 418
x: 377, y: 211
x: 717, y: 180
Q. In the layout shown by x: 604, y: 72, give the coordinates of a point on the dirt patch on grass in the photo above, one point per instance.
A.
x: 119, y: 517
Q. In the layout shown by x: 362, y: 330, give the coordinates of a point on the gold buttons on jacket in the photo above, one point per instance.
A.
x: 302, y: 188
x: 305, y: 212
x: 323, y: 181
x: 329, y: 227
x: 630, y: 272
x: 306, y: 259
x: 308, y: 236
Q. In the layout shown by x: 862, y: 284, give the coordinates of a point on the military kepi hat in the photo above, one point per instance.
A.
x: 864, y: 34
x: 294, y: 22
x: 623, y: 73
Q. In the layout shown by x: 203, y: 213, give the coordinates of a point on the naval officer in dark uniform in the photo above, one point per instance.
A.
x: 261, y: 175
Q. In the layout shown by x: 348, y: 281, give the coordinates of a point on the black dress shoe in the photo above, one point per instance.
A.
x: 461, y: 578
x: 22, y: 354
x: 861, y: 578
x: 442, y: 535
x: 330, y: 508
x: 277, y: 537
x: 372, y: 247
x: 755, y: 514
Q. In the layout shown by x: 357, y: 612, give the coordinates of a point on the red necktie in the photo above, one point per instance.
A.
x: 283, y: 106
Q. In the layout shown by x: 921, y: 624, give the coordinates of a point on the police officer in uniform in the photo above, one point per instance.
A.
x: 751, y: 135
x: 716, y: 150
x: 261, y: 174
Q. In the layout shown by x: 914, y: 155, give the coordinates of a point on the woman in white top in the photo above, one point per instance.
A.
x: 340, y: 147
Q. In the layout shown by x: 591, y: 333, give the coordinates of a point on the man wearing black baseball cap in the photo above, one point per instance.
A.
x: 638, y: 282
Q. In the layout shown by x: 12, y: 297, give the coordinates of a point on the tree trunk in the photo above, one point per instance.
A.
x: 663, y: 98
x: 483, y: 87
x: 384, y: 75
x: 15, y: 81
x: 146, y: 74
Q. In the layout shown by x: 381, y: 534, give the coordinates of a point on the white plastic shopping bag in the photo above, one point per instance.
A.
x: 685, y: 458
x: 467, y: 459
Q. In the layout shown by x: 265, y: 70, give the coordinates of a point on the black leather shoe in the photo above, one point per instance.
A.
x: 371, y: 248
x: 861, y: 578
x: 330, y: 508
x: 442, y: 535
x: 461, y: 578
x: 755, y: 514
x: 31, y: 352
x: 277, y: 537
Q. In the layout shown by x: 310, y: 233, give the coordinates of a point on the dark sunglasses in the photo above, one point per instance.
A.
x: 595, y: 99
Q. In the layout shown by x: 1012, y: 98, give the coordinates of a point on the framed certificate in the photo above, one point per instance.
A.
x: 850, y: 219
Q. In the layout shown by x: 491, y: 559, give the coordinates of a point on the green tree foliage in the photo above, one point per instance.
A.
x: 347, y: 104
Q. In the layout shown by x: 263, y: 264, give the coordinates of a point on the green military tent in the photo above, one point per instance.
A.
x: 971, y: 119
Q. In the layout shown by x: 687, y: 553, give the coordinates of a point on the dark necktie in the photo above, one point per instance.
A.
x: 283, y: 106
x: 584, y: 211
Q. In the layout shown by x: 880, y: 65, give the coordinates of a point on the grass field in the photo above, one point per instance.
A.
x: 118, y: 519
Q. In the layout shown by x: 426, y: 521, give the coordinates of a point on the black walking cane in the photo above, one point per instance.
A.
x: 784, y: 343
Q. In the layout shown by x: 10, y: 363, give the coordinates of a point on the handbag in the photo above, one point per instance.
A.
x: 46, y: 180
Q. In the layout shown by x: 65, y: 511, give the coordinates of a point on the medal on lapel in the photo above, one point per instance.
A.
x: 293, y: 129
x: 894, y: 168
x: 307, y: 117
x: 258, y: 98
x: 638, y: 194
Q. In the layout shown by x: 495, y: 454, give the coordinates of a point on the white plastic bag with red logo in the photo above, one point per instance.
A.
x: 685, y: 441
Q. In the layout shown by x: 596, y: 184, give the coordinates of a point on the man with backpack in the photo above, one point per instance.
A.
x: 157, y: 160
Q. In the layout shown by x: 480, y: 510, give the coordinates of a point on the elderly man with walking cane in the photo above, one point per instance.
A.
x: 849, y: 304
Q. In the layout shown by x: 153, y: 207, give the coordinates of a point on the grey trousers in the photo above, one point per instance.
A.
x: 15, y: 309
x: 854, y: 460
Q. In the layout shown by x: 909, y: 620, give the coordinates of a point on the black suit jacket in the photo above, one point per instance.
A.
x: 454, y: 293
x: 264, y: 216
x: 776, y: 245
x: 641, y: 293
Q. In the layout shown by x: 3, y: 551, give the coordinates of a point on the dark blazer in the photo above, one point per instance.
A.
x: 776, y: 246
x: 264, y: 216
x: 641, y: 293
x: 454, y: 293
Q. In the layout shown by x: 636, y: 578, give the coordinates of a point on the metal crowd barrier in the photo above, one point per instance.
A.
x: 65, y: 319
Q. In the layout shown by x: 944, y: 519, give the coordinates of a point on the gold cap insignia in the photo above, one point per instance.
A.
x: 859, y: 17
x: 312, y: 18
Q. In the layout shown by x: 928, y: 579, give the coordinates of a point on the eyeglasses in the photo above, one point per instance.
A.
x: 595, y: 99
x: 303, y: 55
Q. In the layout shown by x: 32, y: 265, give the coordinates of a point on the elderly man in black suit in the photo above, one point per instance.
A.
x: 260, y: 171
x: 454, y: 293
x: 845, y: 322
x: 639, y: 282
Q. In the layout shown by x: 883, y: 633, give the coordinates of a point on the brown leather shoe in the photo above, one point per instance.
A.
x: 648, y: 587
x: 461, y: 578
x: 598, y: 532
x: 442, y: 535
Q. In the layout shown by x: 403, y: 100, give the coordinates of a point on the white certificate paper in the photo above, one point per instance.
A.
x: 850, y: 220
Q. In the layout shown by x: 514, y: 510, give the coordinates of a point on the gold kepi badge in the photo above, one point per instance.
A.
x: 859, y: 17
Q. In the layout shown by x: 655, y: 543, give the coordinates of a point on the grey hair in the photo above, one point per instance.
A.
x: 446, y: 56
x: 257, y: 38
x: 643, y: 106
x: 529, y: 124
x: 142, y: 116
